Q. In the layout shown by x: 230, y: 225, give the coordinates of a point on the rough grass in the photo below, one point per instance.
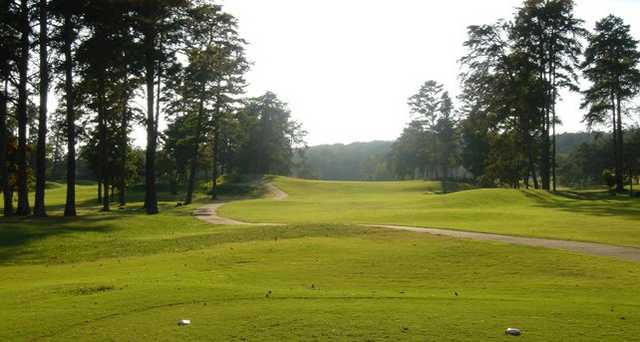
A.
x: 583, y: 216
x: 125, y: 276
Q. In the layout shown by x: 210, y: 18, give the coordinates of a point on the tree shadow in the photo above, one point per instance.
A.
x: 597, y: 203
x: 16, y: 233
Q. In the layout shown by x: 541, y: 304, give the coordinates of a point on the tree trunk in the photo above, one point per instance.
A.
x: 123, y: 167
x: 23, y: 66
x: 41, y: 167
x: 124, y: 141
x: 214, y: 185
x: 630, y: 183
x: 546, y: 148
x: 151, y: 196
x: 100, y: 190
x: 615, y: 138
x: 158, y: 93
x: 445, y: 162
x: 216, y: 139
x: 102, y: 147
x: 174, y: 183
x: 532, y: 163
x: 4, y: 139
x: 194, y: 157
x: 70, y: 205
x: 620, y: 160
x: 553, y: 153
x: 553, y: 142
x: 192, y: 177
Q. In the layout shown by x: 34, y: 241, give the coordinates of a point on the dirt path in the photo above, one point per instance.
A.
x: 627, y: 253
x: 209, y: 212
x: 277, y: 194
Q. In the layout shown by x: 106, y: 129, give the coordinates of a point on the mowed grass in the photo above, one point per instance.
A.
x: 125, y: 276
x: 583, y: 216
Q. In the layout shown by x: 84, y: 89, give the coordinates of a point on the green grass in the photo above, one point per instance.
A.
x: 584, y: 216
x: 125, y: 276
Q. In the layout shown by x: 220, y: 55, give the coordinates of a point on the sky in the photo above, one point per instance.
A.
x: 347, y: 67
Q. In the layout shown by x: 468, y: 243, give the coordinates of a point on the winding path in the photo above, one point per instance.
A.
x: 209, y: 214
x: 627, y: 253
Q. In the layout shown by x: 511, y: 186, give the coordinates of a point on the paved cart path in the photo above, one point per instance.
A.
x: 627, y: 253
x: 209, y: 212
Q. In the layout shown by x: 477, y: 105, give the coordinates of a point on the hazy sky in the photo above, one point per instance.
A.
x: 347, y: 67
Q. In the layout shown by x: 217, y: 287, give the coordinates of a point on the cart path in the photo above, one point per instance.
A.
x: 277, y: 194
x: 209, y: 214
x: 627, y: 253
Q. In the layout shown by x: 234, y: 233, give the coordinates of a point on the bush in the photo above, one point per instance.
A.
x: 608, y: 178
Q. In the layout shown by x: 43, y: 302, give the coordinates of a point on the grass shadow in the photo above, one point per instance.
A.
x: 597, y: 203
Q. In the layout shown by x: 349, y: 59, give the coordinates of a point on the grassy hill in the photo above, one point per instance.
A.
x: 585, y: 216
x: 128, y: 276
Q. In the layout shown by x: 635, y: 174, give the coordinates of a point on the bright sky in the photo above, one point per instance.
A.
x: 347, y: 67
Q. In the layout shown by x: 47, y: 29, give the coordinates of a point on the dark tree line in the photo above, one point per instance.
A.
x: 590, y: 162
x: 246, y: 136
x: 101, y: 59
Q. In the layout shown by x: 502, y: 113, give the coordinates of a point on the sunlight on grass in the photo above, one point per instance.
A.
x: 128, y: 276
x: 573, y: 216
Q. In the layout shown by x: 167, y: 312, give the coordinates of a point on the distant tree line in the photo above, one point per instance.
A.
x: 355, y: 161
x: 183, y: 58
x: 503, y: 129
x: 379, y: 160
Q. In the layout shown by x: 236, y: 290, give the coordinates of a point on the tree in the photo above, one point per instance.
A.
x: 24, y: 29
x: 154, y: 20
x: 611, y: 64
x: 434, y: 109
x: 408, y: 152
x: 487, y: 95
x: 445, y: 130
x: 68, y: 13
x: 126, y: 76
x: 511, y: 77
x: 547, y: 32
x: 95, y: 56
x: 126, y: 89
x: 585, y: 164
x: 221, y: 61
x: 632, y: 155
x: 211, y: 80
x: 269, y: 136
x: 178, y: 149
x: 8, y: 44
x: 474, y: 138
x: 425, y: 106
x: 41, y: 167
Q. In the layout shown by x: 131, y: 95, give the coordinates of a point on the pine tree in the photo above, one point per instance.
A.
x: 8, y: 48
x: 41, y: 167
x: 611, y: 64
x: 24, y: 29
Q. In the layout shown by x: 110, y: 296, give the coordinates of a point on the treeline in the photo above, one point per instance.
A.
x: 503, y: 128
x: 356, y: 161
x: 183, y: 59
x: 591, y: 163
x: 385, y: 160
